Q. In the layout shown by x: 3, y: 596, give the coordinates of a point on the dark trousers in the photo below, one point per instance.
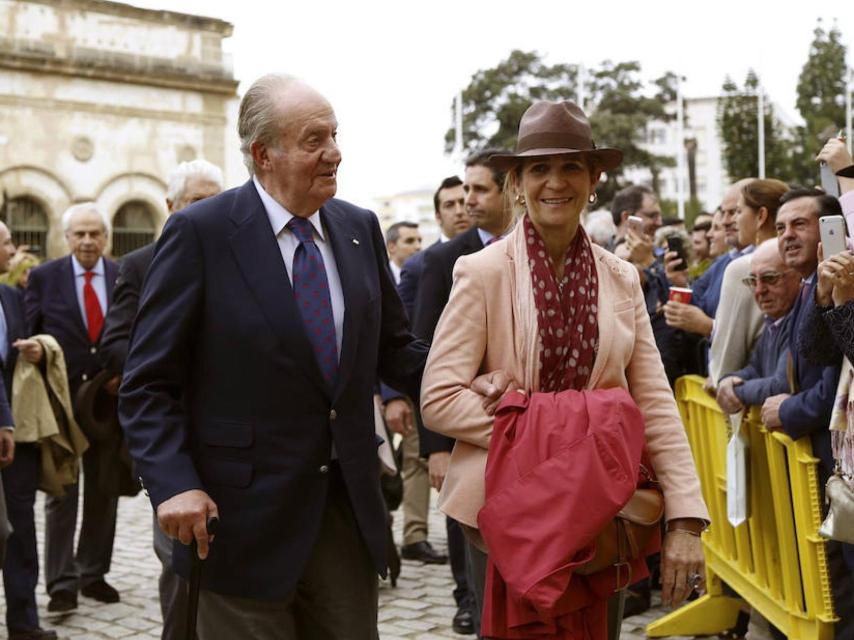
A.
x: 63, y: 568
x: 21, y: 568
x: 842, y: 588
x: 457, y: 555
x: 172, y: 588
x: 335, y: 599
x: 476, y: 565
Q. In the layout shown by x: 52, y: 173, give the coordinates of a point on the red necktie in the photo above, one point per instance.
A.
x: 94, y: 315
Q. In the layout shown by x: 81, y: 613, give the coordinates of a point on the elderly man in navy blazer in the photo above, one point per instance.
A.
x: 67, y: 298
x: 267, y: 314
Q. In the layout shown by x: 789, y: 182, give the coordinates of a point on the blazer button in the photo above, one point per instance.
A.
x: 93, y: 350
x: 324, y: 468
x: 85, y: 377
x: 333, y: 414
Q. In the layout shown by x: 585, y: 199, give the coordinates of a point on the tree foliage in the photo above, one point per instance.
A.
x: 737, y: 119
x: 820, y: 101
x: 616, y: 102
x: 495, y: 98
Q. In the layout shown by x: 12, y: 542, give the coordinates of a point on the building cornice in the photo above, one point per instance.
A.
x: 143, y: 70
x: 160, y: 16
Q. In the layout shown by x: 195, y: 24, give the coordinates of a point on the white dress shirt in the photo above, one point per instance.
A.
x: 395, y: 271
x: 288, y: 243
x: 99, y: 284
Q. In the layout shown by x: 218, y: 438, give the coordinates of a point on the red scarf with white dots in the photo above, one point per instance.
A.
x: 566, y: 311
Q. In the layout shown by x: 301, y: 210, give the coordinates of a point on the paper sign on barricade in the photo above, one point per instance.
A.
x: 737, y: 504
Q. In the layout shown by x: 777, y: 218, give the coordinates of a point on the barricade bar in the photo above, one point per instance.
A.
x: 775, y: 561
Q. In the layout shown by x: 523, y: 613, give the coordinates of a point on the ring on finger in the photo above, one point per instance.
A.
x: 695, y: 581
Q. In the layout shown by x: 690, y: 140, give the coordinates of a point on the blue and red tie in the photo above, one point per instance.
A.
x: 311, y: 292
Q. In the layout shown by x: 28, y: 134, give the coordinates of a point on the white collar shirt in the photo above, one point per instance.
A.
x: 99, y: 284
x: 288, y: 243
x: 395, y: 271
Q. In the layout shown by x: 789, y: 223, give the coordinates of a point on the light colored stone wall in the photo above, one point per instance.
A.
x: 101, y: 101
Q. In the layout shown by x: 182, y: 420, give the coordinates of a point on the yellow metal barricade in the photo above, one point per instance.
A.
x: 775, y: 561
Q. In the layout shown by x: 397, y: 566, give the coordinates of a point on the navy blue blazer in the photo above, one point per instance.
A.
x: 222, y: 391
x: 807, y: 413
x: 410, y: 280
x: 16, y: 328
x: 51, y: 307
x: 433, y: 293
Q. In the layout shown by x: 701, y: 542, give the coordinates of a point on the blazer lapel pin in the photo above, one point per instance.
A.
x: 355, y: 242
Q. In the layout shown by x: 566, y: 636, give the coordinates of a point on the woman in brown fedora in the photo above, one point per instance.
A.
x: 551, y: 311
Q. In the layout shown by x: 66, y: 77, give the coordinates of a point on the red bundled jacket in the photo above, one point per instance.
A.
x: 560, y: 467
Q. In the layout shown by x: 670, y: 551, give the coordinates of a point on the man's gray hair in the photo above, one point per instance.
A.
x: 80, y: 208
x: 198, y: 168
x: 257, y: 120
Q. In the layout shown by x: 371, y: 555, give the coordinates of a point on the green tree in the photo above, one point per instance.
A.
x: 821, y: 101
x: 616, y: 103
x: 495, y: 98
x: 737, y: 127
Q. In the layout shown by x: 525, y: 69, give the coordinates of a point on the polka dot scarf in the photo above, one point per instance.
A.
x: 566, y: 311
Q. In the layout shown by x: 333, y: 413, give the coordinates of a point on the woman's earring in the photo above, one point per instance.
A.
x: 520, y: 200
x: 593, y: 198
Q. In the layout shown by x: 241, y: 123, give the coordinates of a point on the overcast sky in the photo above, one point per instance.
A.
x: 391, y: 68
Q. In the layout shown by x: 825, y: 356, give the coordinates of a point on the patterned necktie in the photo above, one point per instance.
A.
x: 94, y: 314
x: 311, y: 292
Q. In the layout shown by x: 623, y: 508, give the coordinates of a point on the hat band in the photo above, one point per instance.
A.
x: 554, y: 140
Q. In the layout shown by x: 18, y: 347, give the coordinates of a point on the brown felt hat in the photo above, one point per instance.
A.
x: 96, y: 409
x: 556, y: 128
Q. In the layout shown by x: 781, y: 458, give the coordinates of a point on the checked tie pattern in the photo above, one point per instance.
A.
x: 311, y: 291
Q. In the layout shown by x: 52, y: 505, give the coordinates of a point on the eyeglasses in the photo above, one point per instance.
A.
x: 772, y: 277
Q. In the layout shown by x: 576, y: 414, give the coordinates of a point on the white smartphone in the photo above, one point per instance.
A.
x: 832, y: 231
x: 635, y: 224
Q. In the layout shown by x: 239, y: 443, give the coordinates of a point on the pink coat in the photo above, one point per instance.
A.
x: 479, y: 332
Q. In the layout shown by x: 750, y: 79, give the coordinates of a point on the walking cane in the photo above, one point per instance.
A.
x: 195, y: 580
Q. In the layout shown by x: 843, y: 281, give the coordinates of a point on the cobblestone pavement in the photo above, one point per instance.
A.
x: 419, y: 608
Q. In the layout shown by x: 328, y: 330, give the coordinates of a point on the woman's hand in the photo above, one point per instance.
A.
x: 835, y: 154
x: 682, y: 562
x: 492, y: 386
x: 838, y: 271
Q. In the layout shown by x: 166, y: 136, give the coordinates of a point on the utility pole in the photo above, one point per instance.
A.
x: 760, y: 116
x: 680, y: 151
x: 849, y: 87
x: 458, y: 127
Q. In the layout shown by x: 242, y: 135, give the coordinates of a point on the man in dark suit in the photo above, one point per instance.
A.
x: 449, y: 205
x: 400, y: 413
x: 20, y: 478
x: 805, y: 411
x: 190, y: 182
x: 67, y: 299
x: 266, y: 315
x: 485, y: 204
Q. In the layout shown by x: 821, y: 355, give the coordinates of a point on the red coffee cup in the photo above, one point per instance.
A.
x: 680, y: 294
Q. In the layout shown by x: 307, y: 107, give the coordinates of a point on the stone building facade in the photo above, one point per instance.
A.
x: 100, y: 101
